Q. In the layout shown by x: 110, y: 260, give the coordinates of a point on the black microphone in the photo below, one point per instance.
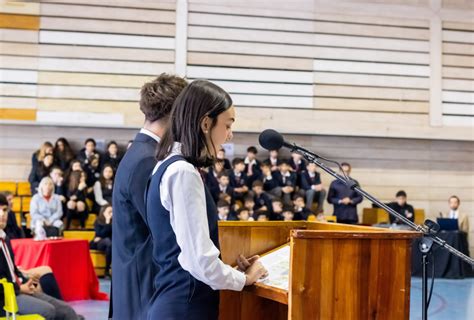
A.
x: 273, y: 140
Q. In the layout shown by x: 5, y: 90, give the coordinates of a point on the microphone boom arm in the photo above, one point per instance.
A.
x: 314, y: 158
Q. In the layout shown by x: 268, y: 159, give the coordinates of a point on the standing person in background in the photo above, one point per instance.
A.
x: 63, y: 154
x: 181, y: 214
x: 454, y: 213
x: 132, y: 265
x: 38, y: 155
x: 112, y: 155
x: 402, y: 207
x: 103, y: 236
x: 344, y: 199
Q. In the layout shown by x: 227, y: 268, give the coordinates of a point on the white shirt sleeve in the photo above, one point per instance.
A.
x: 98, y: 194
x: 182, y: 194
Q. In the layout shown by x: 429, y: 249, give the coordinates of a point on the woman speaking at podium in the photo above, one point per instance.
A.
x: 182, y: 215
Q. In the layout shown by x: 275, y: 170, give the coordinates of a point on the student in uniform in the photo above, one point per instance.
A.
x: 181, y: 214
x: 132, y: 265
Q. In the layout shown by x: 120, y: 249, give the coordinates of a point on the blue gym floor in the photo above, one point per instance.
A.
x: 452, y: 299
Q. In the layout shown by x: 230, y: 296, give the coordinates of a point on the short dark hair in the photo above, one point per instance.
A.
x: 455, y: 197
x: 198, y: 100
x: 296, y: 196
x: 401, y: 193
x: 277, y: 200
x: 3, y: 200
x: 241, y: 210
x: 222, y: 174
x: 157, y: 97
x: 257, y: 183
x: 237, y: 161
x: 249, y: 198
x: 111, y: 143
x: 346, y: 164
x: 252, y: 149
x: 222, y: 203
x: 90, y: 140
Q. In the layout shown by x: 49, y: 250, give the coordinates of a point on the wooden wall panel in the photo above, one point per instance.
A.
x: 19, y: 21
x: 458, y: 73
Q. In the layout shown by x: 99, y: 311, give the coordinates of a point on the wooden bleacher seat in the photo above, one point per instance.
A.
x: 419, y: 216
x: 24, y: 188
x: 371, y: 216
x: 8, y: 186
x: 25, y: 204
x: 18, y: 216
x: 79, y: 234
x: 16, y: 207
x: 89, y: 222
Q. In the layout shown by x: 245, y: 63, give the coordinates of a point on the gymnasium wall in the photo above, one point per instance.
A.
x: 362, y: 81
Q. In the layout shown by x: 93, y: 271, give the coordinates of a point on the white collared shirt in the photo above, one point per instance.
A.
x: 182, y: 194
x: 454, y: 214
x: 150, y: 134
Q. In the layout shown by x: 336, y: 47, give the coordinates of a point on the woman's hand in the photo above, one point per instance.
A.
x: 28, y: 287
x: 255, y: 272
x: 243, y: 263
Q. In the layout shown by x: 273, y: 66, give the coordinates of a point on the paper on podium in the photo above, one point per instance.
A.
x: 277, y: 264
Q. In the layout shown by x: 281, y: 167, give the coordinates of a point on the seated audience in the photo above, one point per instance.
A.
x: 112, y: 155
x: 46, y: 211
x: 88, y: 152
x: 297, y: 163
x: 277, y: 210
x: 60, y: 187
x: 223, y: 211
x: 77, y: 194
x: 223, y: 187
x: 312, y: 187
x: 103, y: 188
x: 252, y: 166
x: 249, y: 204
x: 40, y: 171
x: 300, y: 211
x: 261, y: 198
x: 221, y: 156
x: 63, y: 154
x: 267, y: 178
x: 38, y: 155
x: 261, y: 216
x: 75, y: 165
x: 402, y: 207
x: 287, y: 214
x: 454, y: 213
x: 285, y: 181
x: 212, y: 173
x: 12, y: 229
x: 244, y: 215
x: 238, y: 179
x: 93, y: 171
x: 344, y: 199
x: 273, y: 161
x: 36, y: 289
x: 103, y: 236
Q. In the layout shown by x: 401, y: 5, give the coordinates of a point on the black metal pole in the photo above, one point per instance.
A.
x: 427, y: 232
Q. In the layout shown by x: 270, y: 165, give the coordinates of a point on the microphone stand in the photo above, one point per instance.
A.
x: 429, y: 229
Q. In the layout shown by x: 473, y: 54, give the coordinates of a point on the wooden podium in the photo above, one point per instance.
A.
x: 336, y: 271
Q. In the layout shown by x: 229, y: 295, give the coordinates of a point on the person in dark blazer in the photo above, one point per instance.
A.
x: 285, y: 180
x: 112, y: 155
x: 402, y: 207
x: 213, y: 172
x: 103, y: 236
x: 181, y: 215
x: 223, y: 187
x: 273, y: 160
x: 12, y: 229
x: 344, y: 199
x: 252, y: 166
x: 311, y: 187
x: 267, y: 178
x: 221, y: 156
x: 89, y: 152
x: 238, y: 179
x: 132, y: 264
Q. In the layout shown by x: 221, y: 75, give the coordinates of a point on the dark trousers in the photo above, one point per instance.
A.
x: 104, y: 245
x: 73, y: 214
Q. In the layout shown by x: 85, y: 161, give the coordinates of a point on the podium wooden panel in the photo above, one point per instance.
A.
x: 336, y: 271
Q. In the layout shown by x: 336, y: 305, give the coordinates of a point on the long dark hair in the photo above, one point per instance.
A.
x: 67, y: 154
x: 199, y: 99
x: 103, y: 181
x: 101, y: 217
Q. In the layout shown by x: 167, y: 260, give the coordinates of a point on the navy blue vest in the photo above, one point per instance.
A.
x: 178, y: 295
